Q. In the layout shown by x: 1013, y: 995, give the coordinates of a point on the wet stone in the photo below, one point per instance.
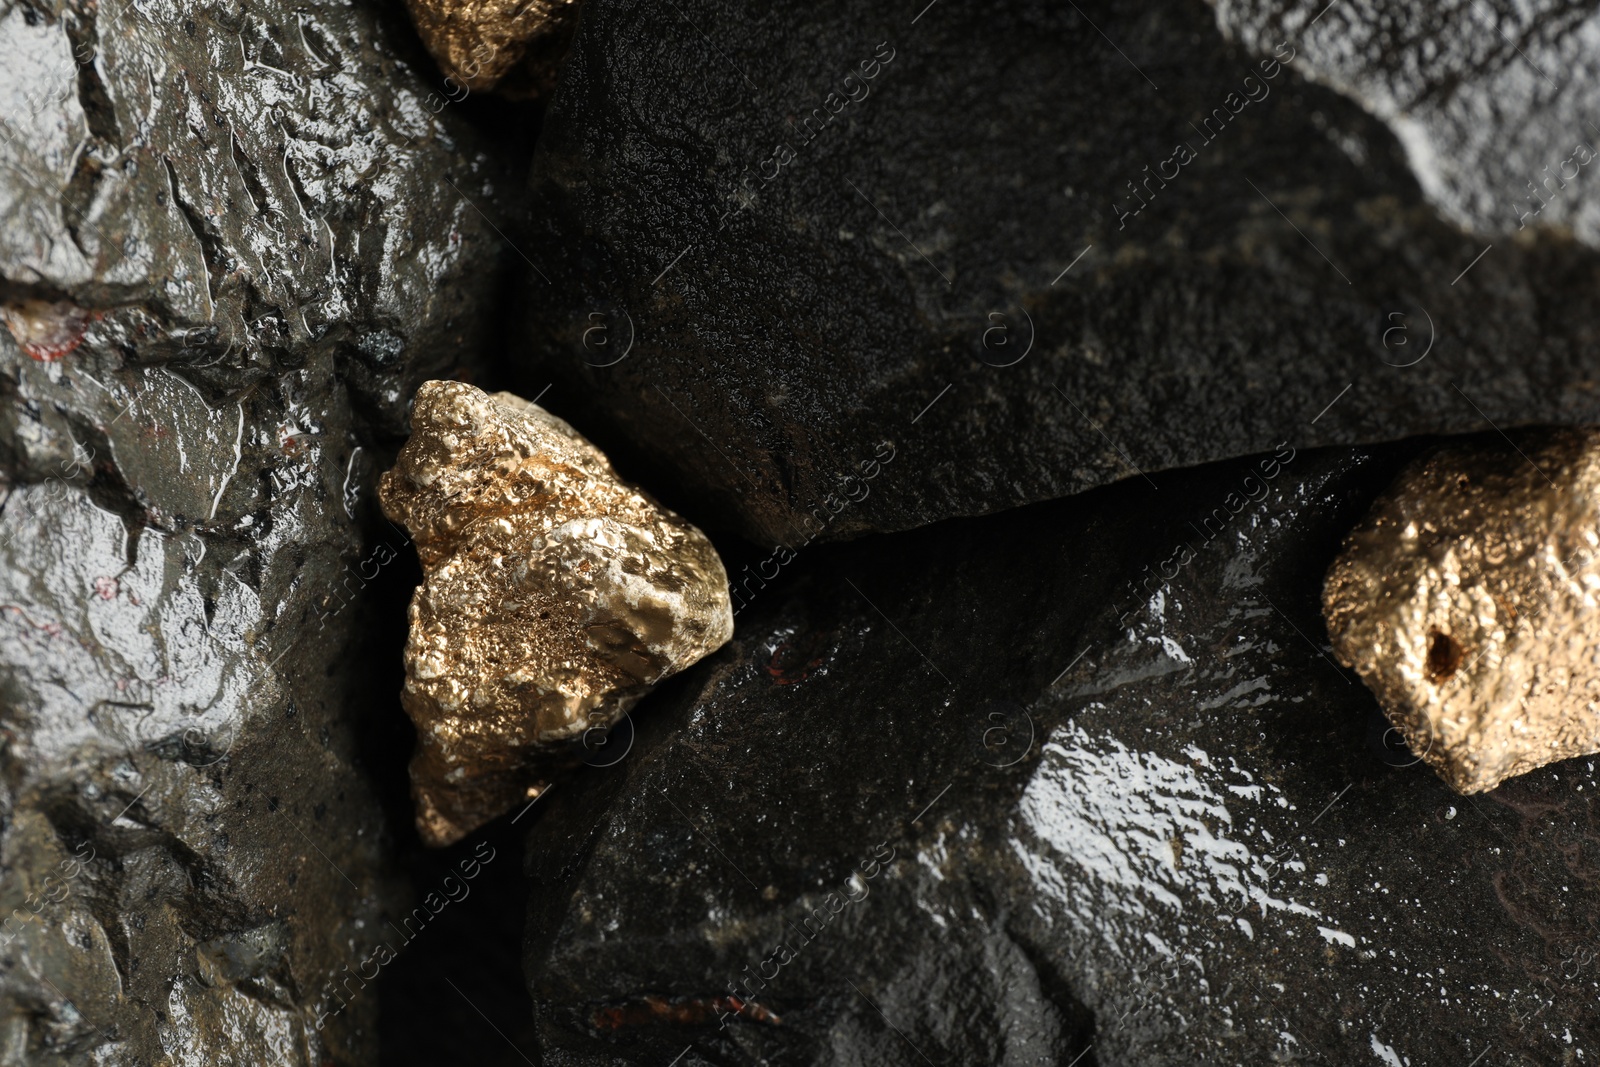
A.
x: 984, y: 236
x: 1494, y: 107
x: 232, y: 241
x: 217, y: 190
x: 1194, y: 849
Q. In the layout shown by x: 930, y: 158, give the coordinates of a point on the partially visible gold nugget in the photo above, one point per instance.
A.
x: 1468, y: 601
x: 479, y: 42
x: 554, y: 596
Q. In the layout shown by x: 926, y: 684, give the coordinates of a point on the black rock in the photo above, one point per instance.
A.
x: 233, y: 237
x: 968, y: 795
x: 769, y: 242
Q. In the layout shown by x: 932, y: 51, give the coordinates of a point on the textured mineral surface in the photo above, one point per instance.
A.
x: 1079, y: 782
x: 1469, y: 602
x: 477, y: 43
x: 1076, y: 775
x: 233, y: 237
x: 1044, y: 246
x: 1492, y: 103
x: 555, y: 595
x: 192, y: 848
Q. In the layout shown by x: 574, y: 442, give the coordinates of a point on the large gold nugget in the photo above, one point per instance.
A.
x: 554, y: 596
x: 1467, y: 601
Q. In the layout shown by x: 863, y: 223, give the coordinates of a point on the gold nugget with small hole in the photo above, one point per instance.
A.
x: 1468, y: 601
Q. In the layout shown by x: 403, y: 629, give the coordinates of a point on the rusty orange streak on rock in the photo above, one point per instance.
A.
x: 46, y: 330
x: 682, y: 1011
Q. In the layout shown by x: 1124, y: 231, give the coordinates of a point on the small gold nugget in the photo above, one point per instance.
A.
x: 554, y: 596
x: 1468, y: 601
x: 479, y: 42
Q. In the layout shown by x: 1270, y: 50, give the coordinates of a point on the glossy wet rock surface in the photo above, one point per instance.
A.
x: 1039, y: 247
x: 229, y: 250
x: 185, y: 705
x: 233, y: 189
x: 1075, y: 783
x: 1210, y: 852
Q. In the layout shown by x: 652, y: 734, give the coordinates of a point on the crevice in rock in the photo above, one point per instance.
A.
x: 98, y: 111
x: 250, y: 176
x: 100, y: 116
x: 1078, y: 1023
x: 107, y: 487
x: 212, y: 252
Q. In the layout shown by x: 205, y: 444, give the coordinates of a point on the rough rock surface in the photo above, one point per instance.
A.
x: 1495, y: 104
x: 228, y: 190
x: 1037, y: 247
x: 554, y: 597
x: 967, y: 795
x: 229, y: 249
x: 1466, y: 601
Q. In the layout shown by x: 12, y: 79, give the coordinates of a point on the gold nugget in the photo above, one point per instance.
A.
x: 479, y: 42
x: 1468, y: 601
x: 554, y: 596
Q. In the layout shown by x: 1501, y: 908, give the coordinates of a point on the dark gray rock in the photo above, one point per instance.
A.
x: 806, y: 247
x: 967, y: 795
x: 237, y: 189
x: 1495, y: 105
x: 232, y: 239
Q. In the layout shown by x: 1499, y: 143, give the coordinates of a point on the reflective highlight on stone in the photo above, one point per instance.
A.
x: 555, y: 595
x: 1467, y: 601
